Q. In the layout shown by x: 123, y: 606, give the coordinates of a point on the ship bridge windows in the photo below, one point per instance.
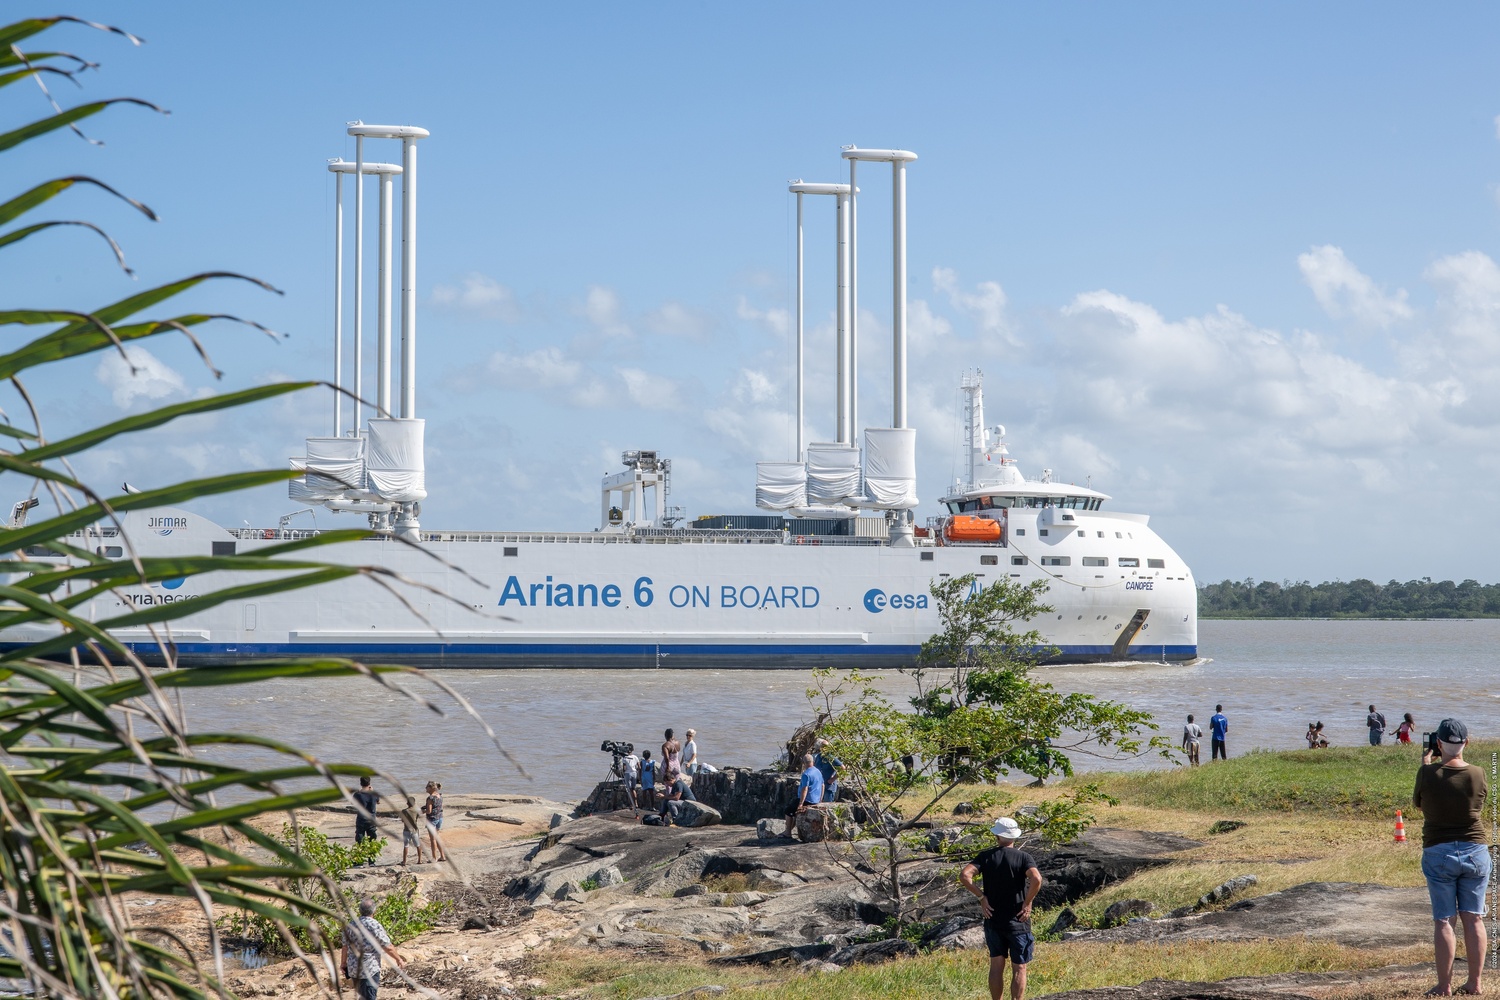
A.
x: 1156, y: 563
x: 969, y: 505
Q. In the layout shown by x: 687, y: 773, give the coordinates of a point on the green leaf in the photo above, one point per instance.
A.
x: 64, y: 118
x: 25, y: 202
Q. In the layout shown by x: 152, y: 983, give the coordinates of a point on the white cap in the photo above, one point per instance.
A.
x: 1006, y: 827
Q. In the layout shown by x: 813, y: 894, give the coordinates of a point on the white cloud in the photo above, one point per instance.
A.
x: 480, y: 296
x: 985, y: 306
x: 755, y: 387
x: 776, y: 320
x: 677, y: 320
x: 547, y: 368
x: 601, y: 307
x: 1343, y: 290
x: 650, y: 391
x: 142, y: 377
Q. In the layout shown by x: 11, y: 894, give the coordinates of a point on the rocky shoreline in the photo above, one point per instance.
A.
x: 527, y: 874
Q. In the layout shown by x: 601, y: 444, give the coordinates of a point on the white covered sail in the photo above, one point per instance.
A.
x: 297, y: 489
x: 832, y: 473
x: 780, y: 485
x: 396, y: 464
x: 890, y: 468
x: 335, y: 465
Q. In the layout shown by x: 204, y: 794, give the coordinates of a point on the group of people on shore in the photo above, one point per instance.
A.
x: 671, y: 774
x: 1375, y: 725
x: 414, y: 820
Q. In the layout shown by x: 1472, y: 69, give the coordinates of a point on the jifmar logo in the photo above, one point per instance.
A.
x: 164, y: 525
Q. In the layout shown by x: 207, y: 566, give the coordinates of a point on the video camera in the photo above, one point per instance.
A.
x: 617, y: 748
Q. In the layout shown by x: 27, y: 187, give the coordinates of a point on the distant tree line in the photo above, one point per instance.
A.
x: 1349, y: 599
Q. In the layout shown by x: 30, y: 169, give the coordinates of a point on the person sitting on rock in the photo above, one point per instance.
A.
x: 809, y: 790
x: 679, y: 792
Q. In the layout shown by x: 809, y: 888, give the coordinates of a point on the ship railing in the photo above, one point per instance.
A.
x: 638, y: 536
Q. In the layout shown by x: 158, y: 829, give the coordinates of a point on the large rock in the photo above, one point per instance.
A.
x: 694, y: 814
x: 1227, y: 890
x: 606, y: 877
x: 955, y: 933
x: 743, y: 796
x: 1358, y: 916
x: 680, y: 873
x: 817, y: 824
x: 1122, y: 910
x: 872, y: 952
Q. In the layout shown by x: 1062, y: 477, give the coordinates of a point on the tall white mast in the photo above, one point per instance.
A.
x: 898, y: 159
x: 383, y: 304
x: 841, y: 194
x: 801, y: 416
x: 408, y: 134
x: 359, y: 274
x: 338, y: 303
x: 853, y: 305
x: 384, y: 172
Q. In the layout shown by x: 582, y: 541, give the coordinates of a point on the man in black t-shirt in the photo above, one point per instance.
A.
x: 1011, y: 882
x: 368, y: 802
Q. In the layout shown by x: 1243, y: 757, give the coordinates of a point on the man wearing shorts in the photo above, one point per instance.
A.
x: 1455, y: 852
x: 1011, y: 882
x: 809, y: 791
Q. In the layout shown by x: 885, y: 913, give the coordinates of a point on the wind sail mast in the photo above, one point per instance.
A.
x: 378, y: 468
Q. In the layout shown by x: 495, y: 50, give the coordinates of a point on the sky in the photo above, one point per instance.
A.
x: 1232, y: 264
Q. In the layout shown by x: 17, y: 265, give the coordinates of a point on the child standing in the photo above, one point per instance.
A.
x: 648, y: 780
x: 411, y: 823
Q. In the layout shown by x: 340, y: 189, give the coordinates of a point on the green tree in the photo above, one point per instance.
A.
x: 979, y: 714
x: 105, y: 793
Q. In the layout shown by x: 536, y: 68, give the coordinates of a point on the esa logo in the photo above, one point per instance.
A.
x: 877, y: 600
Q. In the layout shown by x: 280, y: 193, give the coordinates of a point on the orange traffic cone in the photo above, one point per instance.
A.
x: 1400, y: 828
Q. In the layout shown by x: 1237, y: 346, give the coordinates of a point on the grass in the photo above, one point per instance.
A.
x: 955, y: 974
x: 1309, y: 816
x: 1339, y: 782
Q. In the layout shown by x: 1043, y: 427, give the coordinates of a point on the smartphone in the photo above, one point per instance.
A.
x: 1430, y: 743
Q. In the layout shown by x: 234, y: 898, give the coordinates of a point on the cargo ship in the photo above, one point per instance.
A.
x: 835, y: 572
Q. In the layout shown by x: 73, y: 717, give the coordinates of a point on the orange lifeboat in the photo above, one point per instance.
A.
x: 966, y: 528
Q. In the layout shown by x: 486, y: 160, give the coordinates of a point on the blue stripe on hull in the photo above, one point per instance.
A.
x: 625, y: 655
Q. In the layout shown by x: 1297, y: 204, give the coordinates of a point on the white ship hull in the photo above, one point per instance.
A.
x: 682, y: 599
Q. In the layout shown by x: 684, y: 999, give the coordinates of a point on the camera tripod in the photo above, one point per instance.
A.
x: 611, y: 776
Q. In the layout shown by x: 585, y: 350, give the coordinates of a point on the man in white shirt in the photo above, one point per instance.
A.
x: 690, y: 753
x: 632, y: 776
x: 1192, y: 737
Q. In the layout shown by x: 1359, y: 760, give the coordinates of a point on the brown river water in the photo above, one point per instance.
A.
x: 1272, y: 677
